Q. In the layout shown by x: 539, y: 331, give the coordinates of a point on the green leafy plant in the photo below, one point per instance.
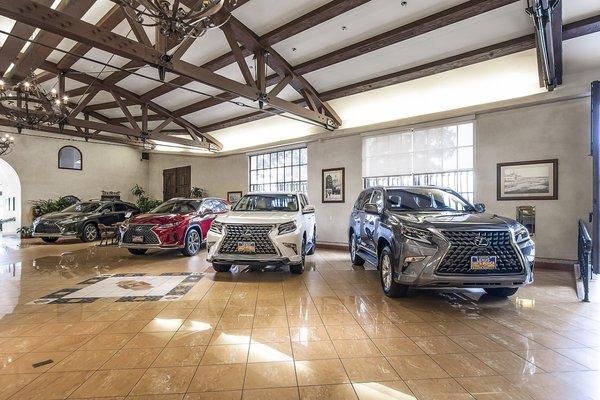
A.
x: 41, y: 207
x: 198, y: 193
x: 25, y: 232
x: 144, y: 202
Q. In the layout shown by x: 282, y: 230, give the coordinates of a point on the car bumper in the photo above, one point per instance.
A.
x: 424, y: 272
x: 55, y: 235
x: 287, y: 250
x: 149, y: 246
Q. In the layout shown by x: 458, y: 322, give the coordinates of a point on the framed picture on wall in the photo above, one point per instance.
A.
x: 531, y: 180
x: 233, y: 197
x: 333, y: 185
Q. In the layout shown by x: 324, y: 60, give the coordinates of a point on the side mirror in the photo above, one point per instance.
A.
x: 480, y: 207
x: 309, y: 209
x: 371, y: 208
x: 105, y: 211
x: 207, y: 211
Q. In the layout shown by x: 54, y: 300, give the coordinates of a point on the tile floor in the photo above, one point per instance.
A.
x: 328, y: 334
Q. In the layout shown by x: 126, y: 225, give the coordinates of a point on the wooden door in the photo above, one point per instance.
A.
x: 177, y: 182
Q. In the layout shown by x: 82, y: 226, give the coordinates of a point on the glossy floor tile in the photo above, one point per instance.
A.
x: 327, y: 334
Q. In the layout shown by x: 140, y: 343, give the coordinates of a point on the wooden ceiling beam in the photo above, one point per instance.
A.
x: 435, y: 21
x: 304, y: 22
x: 59, y: 23
x: 36, y: 53
x: 570, y: 31
x: 12, y: 45
x: 128, y: 95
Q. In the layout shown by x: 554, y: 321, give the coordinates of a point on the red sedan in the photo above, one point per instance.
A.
x: 175, y: 224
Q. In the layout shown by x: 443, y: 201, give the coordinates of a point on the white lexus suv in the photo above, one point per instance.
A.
x: 264, y: 229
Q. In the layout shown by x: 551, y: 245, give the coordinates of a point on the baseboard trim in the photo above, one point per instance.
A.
x: 332, y: 246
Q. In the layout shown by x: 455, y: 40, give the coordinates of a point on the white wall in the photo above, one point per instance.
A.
x: 10, y: 186
x: 105, y: 167
x: 559, y: 130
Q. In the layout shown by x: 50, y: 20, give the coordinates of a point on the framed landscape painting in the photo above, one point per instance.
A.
x: 333, y: 182
x: 528, y: 180
x: 233, y: 197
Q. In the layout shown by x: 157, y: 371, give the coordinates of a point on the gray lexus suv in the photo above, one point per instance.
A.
x: 432, y: 237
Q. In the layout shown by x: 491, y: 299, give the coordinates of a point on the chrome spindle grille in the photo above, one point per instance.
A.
x: 258, y: 234
x: 47, y: 227
x: 140, y: 230
x: 462, y: 246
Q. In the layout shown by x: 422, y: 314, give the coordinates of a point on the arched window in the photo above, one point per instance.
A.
x: 69, y: 157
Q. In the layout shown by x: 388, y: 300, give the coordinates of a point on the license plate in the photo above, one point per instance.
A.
x: 246, y: 247
x: 137, y: 239
x: 483, y: 262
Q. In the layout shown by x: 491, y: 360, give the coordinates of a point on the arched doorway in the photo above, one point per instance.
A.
x: 10, y: 198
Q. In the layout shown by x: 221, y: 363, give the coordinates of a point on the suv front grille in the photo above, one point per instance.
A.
x: 47, y: 227
x: 259, y: 234
x: 140, y: 230
x: 462, y: 246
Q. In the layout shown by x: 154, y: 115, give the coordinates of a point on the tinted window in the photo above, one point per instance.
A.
x: 377, y: 199
x: 425, y: 199
x: 177, y: 207
x: 83, y: 207
x: 267, y: 202
x: 362, y: 199
x: 120, y: 207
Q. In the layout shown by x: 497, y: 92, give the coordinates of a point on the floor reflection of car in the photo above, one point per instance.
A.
x: 175, y: 224
x: 428, y: 236
x: 82, y: 220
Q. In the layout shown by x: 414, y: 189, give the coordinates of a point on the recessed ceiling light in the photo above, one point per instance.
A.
x: 294, y: 49
x: 344, y: 28
x: 404, y: 3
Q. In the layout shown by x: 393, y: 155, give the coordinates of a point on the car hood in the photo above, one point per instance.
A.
x: 59, y: 216
x: 156, y: 219
x: 454, y: 220
x: 257, y: 217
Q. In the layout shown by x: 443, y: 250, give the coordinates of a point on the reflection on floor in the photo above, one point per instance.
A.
x: 328, y: 334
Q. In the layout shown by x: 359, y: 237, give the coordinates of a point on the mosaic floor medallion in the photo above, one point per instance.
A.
x: 126, y: 288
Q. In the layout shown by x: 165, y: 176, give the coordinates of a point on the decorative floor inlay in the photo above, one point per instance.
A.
x: 131, y: 287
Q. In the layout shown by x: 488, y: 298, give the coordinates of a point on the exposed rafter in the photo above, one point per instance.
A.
x: 427, y: 24
x: 570, y: 31
x: 58, y: 23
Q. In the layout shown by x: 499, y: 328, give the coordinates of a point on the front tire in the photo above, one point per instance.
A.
x: 192, y: 243
x: 299, y: 268
x: 138, y: 252
x: 386, y: 273
x: 90, y: 232
x: 49, y: 239
x: 221, y: 267
x: 354, y: 257
x: 501, y: 292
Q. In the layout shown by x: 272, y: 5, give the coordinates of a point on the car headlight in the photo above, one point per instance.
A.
x: 521, y: 235
x: 170, y: 225
x: 216, y: 227
x: 287, y: 227
x: 419, y: 235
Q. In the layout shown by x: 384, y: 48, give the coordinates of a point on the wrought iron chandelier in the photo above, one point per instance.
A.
x: 176, y: 21
x: 7, y: 142
x: 27, y: 105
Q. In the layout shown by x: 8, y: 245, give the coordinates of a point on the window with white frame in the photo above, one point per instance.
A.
x: 284, y: 170
x: 438, y: 156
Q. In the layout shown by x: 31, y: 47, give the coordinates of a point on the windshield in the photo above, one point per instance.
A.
x: 82, y: 207
x: 267, y: 202
x: 177, y: 207
x: 425, y: 199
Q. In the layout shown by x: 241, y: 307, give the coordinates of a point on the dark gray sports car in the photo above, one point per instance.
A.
x: 82, y: 220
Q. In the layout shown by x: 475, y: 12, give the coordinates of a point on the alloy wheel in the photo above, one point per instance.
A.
x: 386, y: 272
x: 193, y: 242
x: 90, y: 233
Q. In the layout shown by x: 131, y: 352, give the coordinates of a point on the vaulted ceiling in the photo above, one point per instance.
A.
x: 295, y: 57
